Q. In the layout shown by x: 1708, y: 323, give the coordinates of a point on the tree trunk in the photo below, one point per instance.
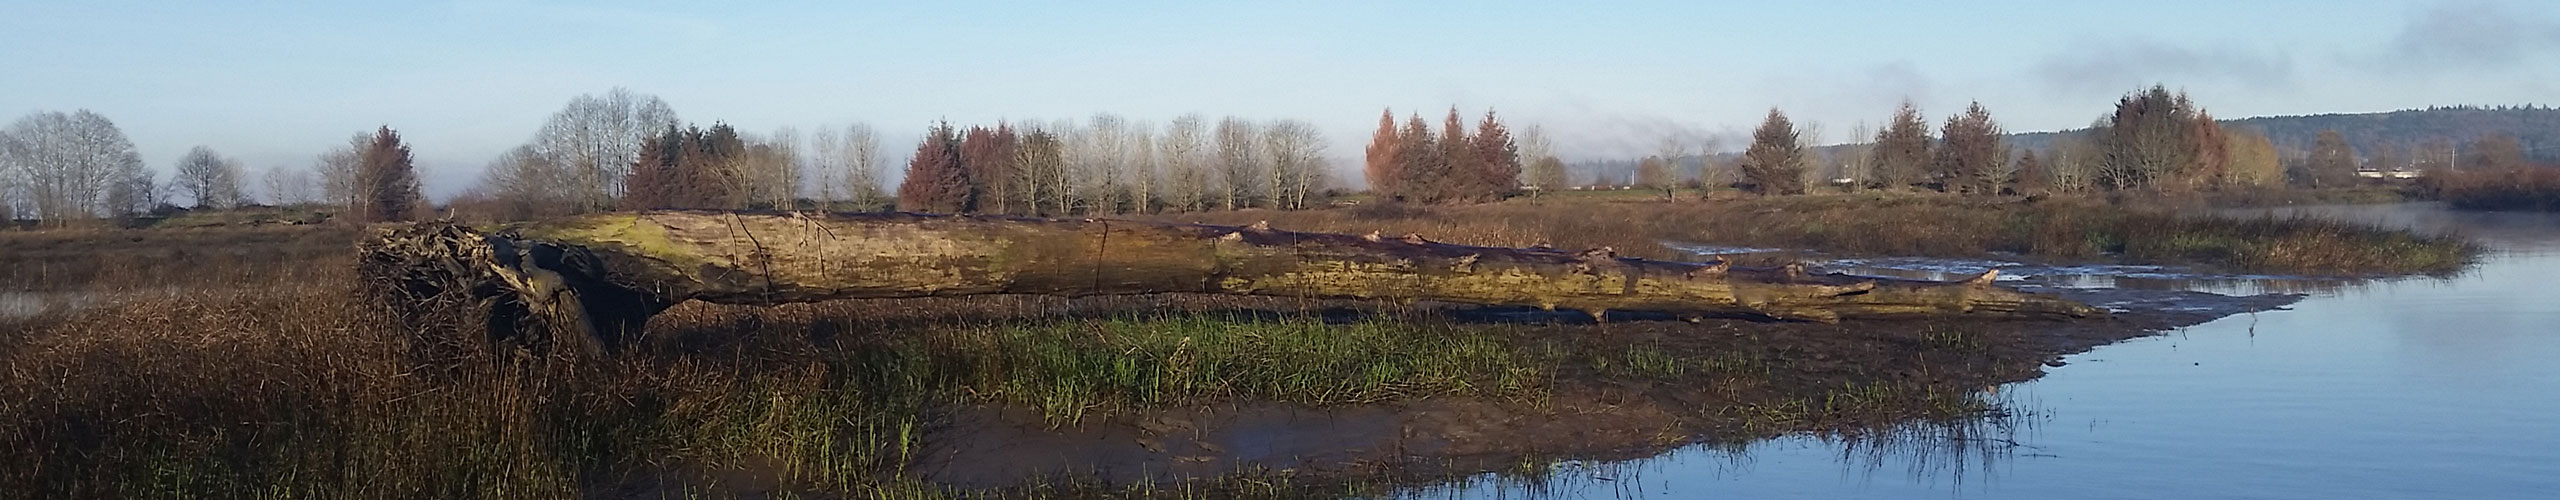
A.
x: 605, y: 274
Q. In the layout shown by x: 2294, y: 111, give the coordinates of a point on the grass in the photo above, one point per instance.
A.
x: 2075, y: 230
x: 2521, y: 189
x: 1068, y: 369
x: 300, y: 392
x: 264, y: 377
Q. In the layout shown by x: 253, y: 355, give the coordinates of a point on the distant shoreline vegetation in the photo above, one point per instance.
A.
x: 625, y: 150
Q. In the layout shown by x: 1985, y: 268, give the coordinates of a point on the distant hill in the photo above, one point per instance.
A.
x: 2537, y: 127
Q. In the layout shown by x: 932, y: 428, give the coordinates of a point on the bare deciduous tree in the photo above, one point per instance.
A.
x: 339, y: 184
x: 1187, y: 175
x: 1239, y: 164
x: 212, y: 181
x: 862, y: 167
x: 1039, y: 165
x: 1296, y: 153
x: 771, y: 171
x: 74, y: 166
x: 594, y: 139
x: 1536, y: 146
x: 1856, y: 161
x: 287, y: 185
x: 1146, y: 183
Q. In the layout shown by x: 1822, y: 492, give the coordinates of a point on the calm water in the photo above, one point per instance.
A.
x: 2409, y: 388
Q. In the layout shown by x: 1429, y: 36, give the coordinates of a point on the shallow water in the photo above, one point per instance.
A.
x: 2404, y: 388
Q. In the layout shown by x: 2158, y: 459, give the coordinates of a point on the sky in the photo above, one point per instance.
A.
x: 276, y: 83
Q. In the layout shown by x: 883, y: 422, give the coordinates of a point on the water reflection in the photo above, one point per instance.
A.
x: 2396, y: 388
x: 1941, y: 452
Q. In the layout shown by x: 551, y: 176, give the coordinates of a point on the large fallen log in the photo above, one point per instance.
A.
x: 604, y: 275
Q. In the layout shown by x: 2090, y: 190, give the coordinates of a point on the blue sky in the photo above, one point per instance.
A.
x: 275, y: 83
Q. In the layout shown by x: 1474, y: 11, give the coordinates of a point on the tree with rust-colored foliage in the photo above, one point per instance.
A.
x: 937, y: 177
x: 687, y: 168
x: 1383, y: 163
x: 1497, y: 161
x: 1458, y: 157
x: 988, y: 154
x: 2210, y: 165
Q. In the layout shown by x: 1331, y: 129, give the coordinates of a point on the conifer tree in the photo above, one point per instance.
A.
x: 988, y: 154
x: 1383, y: 168
x: 390, y: 179
x: 1459, y: 162
x: 1774, y: 163
x: 1418, y: 161
x: 1497, y: 159
x: 1902, y: 149
x: 2210, y: 163
x: 937, y: 178
x: 2032, y: 176
x: 1970, y: 155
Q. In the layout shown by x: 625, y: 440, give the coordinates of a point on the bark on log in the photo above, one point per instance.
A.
x: 604, y: 274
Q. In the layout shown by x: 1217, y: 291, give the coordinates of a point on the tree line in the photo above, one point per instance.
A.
x: 58, y: 168
x: 1411, y: 163
x: 1110, y: 165
x: 623, y: 150
x: 2154, y: 139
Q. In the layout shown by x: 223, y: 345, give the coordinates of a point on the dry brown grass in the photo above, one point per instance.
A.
x: 2529, y: 188
x: 1905, y: 225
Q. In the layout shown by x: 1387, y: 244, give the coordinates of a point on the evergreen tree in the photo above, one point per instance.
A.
x: 1774, y: 163
x: 1419, y: 161
x: 390, y: 179
x: 1383, y: 169
x: 989, y: 155
x: 2032, y: 177
x: 937, y: 178
x: 1459, y: 164
x: 1971, y: 156
x: 2210, y: 164
x: 1497, y: 159
x: 1902, y: 149
x: 2149, y: 142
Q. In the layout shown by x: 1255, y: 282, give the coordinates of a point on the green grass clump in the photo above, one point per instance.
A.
x: 1068, y: 369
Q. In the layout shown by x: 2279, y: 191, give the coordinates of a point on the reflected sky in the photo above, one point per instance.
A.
x: 2405, y: 388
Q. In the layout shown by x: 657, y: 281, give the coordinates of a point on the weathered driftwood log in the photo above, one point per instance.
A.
x: 605, y: 274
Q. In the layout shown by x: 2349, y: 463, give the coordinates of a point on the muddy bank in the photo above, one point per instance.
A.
x: 1723, y: 381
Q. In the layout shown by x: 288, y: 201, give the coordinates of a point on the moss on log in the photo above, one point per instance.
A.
x: 604, y: 274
